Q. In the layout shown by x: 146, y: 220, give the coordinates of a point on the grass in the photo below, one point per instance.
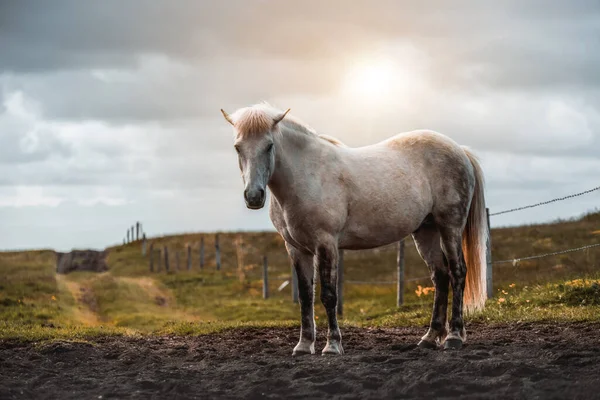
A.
x: 36, y: 304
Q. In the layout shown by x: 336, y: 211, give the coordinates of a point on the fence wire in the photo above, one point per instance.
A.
x: 514, y: 261
x: 545, y: 202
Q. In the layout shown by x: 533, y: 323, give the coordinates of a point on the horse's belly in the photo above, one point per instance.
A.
x: 379, y: 230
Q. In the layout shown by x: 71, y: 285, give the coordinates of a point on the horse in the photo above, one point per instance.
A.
x: 326, y: 196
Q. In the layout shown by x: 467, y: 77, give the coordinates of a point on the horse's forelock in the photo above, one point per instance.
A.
x: 253, y: 122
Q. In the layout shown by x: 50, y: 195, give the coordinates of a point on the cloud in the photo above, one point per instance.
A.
x: 110, y: 111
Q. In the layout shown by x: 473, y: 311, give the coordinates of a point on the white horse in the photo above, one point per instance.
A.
x: 327, y: 196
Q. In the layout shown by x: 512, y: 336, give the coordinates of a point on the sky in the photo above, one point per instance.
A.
x: 109, y: 111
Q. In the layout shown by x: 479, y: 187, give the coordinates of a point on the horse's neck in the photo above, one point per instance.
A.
x: 295, y: 154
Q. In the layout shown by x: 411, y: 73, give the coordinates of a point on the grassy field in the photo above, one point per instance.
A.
x: 35, y: 303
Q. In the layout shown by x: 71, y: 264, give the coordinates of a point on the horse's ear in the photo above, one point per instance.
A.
x: 278, y: 119
x: 227, y: 117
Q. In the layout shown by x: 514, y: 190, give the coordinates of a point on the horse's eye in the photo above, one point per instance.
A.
x: 237, y: 148
x: 270, y: 147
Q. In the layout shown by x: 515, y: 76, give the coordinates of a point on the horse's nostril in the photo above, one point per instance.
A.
x: 262, y: 193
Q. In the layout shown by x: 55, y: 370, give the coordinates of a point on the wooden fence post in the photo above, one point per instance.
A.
x: 166, y: 253
x: 151, y: 256
x: 488, y: 256
x: 340, y: 283
x: 202, y: 252
x: 294, y: 285
x: 132, y: 234
x: 265, y: 278
x: 400, y: 265
x: 189, y: 257
x: 137, y: 231
x: 128, y: 235
x: 144, y: 244
x: 217, y: 252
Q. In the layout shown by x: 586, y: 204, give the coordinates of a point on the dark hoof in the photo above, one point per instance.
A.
x: 453, y: 344
x: 427, y: 345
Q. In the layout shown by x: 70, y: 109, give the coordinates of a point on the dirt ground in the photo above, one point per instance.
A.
x: 522, y: 361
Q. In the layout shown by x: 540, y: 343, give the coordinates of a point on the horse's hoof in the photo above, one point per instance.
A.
x: 303, y: 349
x: 425, y: 344
x: 333, y: 348
x: 453, y: 344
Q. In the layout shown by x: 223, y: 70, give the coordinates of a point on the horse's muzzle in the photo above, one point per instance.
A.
x: 255, y: 198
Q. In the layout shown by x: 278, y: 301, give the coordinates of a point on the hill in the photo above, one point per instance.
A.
x: 128, y: 298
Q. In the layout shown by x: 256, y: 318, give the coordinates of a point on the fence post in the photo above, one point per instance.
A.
x: 265, y: 278
x: 128, y: 235
x: 488, y: 256
x: 189, y: 257
x: 151, y: 256
x: 144, y: 244
x: 340, y: 283
x: 400, y: 265
x: 137, y: 231
x: 217, y: 252
x: 132, y: 236
x: 202, y: 252
x: 166, y: 251
x: 294, y: 285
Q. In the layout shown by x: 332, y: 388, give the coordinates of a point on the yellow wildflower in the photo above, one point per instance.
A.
x: 419, y: 290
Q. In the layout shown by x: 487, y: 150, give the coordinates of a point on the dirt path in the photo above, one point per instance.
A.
x: 84, y: 310
x: 544, y: 361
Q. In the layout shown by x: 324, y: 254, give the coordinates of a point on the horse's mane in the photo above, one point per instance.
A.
x: 257, y: 119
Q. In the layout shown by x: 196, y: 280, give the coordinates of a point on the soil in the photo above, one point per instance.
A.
x: 519, y: 361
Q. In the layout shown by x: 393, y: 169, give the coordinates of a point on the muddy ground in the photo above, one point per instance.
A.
x: 522, y: 361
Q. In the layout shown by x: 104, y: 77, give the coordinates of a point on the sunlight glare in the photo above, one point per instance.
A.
x: 371, y: 79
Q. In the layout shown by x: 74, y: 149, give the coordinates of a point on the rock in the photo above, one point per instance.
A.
x: 81, y: 260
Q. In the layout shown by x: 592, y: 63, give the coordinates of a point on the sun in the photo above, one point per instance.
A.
x: 371, y: 79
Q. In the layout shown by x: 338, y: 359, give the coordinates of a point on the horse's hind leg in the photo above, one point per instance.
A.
x: 451, y: 246
x: 427, y: 241
x: 326, y: 260
x: 305, y: 270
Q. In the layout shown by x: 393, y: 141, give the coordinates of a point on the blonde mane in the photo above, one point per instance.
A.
x: 259, y: 118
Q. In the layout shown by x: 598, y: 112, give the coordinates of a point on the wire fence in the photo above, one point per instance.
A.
x: 545, y: 202
x: 135, y: 232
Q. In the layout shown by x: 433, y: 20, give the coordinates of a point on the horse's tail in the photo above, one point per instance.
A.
x: 474, y: 243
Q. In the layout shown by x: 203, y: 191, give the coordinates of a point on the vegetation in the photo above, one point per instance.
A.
x: 35, y: 303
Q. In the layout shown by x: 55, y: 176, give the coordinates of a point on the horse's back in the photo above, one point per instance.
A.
x: 443, y: 162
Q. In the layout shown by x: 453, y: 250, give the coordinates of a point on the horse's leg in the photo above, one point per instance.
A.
x: 451, y: 246
x: 326, y: 260
x: 305, y: 270
x: 427, y: 241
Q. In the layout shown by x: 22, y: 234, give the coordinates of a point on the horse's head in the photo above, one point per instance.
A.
x: 255, y: 132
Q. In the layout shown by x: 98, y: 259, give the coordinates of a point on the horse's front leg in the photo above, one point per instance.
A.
x: 305, y: 270
x: 326, y: 260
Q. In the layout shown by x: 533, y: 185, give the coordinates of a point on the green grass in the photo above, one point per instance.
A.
x: 36, y: 304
